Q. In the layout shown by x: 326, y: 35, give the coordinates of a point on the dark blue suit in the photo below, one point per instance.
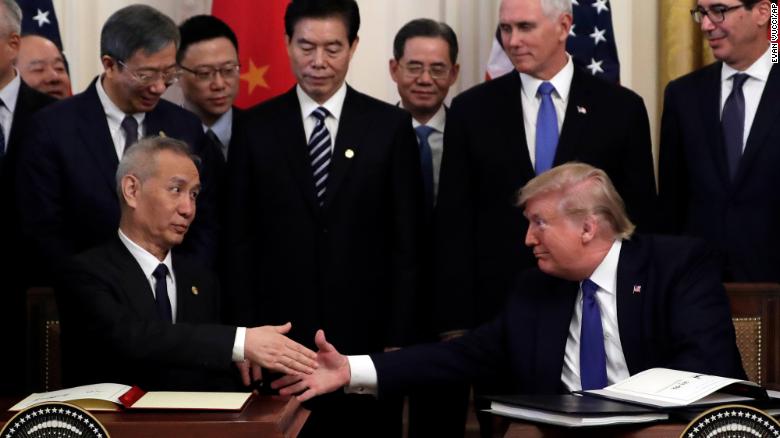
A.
x: 66, y: 183
x: 680, y: 319
x: 696, y: 194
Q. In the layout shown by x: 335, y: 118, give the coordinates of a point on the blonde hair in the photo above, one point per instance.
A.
x: 585, y: 190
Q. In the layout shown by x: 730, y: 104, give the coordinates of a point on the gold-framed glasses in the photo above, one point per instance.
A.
x: 149, y: 76
x: 208, y: 73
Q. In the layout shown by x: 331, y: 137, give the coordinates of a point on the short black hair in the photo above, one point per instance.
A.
x: 202, y: 28
x: 425, y: 27
x: 134, y: 28
x: 346, y: 10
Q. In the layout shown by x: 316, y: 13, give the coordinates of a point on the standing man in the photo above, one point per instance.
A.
x: 66, y: 171
x: 502, y: 133
x: 720, y: 146
x: 17, y: 104
x: 324, y: 210
x: 424, y: 66
x: 43, y: 66
x: 208, y: 57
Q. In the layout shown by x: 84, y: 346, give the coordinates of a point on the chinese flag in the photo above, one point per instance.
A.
x: 259, y: 26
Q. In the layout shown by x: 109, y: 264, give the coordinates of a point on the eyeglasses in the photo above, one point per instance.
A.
x: 148, y: 77
x: 209, y: 73
x: 436, y: 71
x: 716, y: 14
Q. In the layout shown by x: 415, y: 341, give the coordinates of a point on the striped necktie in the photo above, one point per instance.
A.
x: 320, y: 153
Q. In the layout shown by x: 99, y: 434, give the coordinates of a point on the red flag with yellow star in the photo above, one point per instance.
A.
x: 259, y: 27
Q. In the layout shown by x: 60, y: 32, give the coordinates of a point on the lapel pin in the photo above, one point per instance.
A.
x: 349, y: 153
x: 162, y: 134
x: 194, y: 290
x: 582, y: 110
x: 637, y: 289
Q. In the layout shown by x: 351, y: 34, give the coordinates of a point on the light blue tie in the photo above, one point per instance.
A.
x: 546, y: 129
x: 593, y: 358
x: 426, y: 160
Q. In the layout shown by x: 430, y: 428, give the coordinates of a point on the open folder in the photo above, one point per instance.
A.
x: 115, y: 397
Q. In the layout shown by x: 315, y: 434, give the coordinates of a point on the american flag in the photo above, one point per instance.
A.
x: 38, y: 18
x: 591, y: 43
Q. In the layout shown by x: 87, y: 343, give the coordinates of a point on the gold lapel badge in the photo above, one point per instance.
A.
x: 194, y: 290
x: 349, y: 153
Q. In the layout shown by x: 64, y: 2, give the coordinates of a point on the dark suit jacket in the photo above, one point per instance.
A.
x: 349, y: 266
x: 480, y: 234
x: 680, y: 319
x: 14, y: 269
x: 111, y: 331
x: 697, y: 196
x: 66, y: 180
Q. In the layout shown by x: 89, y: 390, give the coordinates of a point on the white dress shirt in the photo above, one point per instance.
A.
x: 531, y: 100
x: 753, y: 88
x: 114, y: 117
x: 333, y: 105
x: 436, y: 141
x: 605, y: 276
x: 149, y: 263
x: 9, y: 94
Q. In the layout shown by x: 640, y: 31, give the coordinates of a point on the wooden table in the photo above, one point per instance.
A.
x: 264, y: 416
x: 660, y: 430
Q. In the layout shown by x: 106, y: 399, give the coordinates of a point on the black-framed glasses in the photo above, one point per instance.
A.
x: 716, y: 14
x: 149, y: 76
x: 208, y: 73
x: 436, y: 71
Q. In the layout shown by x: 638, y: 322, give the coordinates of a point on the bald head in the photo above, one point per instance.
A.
x: 42, y: 66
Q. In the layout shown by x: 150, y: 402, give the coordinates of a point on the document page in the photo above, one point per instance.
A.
x: 224, y: 401
x: 109, y: 392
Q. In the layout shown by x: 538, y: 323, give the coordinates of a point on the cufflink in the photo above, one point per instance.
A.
x: 349, y: 153
x: 194, y: 290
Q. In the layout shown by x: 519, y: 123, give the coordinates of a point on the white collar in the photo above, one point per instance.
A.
x: 758, y: 70
x: 222, y: 126
x: 436, y: 122
x: 333, y: 105
x: 605, y: 275
x: 112, y: 111
x: 10, y: 92
x: 561, y: 81
x: 145, y: 259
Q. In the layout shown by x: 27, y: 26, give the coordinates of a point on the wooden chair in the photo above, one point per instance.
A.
x: 755, y: 310
x: 43, y: 341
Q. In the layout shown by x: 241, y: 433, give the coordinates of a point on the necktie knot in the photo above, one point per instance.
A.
x: 130, y: 128
x: 160, y: 272
x: 738, y: 80
x: 589, y: 288
x: 546, y: 89
x: 423, y: 132
x: 320, y: 114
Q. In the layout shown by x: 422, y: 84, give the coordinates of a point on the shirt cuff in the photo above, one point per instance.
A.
x: 363, y: 378
x: 238, y: 344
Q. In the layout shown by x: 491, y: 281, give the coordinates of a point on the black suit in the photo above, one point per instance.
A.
x: 696, y: 194
x: 111, y: 331
x: 350, y: 266
x: 479, y: 246
x: 679, y: 319
x: 13, y: 267
x: 66, y: 181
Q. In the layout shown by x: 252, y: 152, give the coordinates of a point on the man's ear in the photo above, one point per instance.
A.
x: 131, y: 187
x: 590, y: 228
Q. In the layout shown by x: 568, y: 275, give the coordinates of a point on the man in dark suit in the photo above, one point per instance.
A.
x: 19, y: 102
x: 603, y: 305
x: 208, y: 57
x: 503, y: 132
x: 65, y: 181
x: 42, y: 65
x: 324, y: 208
x: 720, y: 146
x: 134, y: 313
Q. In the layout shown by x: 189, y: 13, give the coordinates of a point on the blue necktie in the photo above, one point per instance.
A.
x: 320, y: 153
x: 546, y: 129
x: 426, y: 160
x: 161, y: 293
x: 130, y: 127
x: 593, y: 358
x: 733, y: 122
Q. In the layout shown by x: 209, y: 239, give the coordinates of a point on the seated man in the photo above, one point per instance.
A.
x: 134, y: 313
x: 601, y: 306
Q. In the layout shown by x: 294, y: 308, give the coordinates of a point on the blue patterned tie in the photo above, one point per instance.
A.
x: 546, y: 129
x: 593, y: 358
x: 426, y: 160
x: 733, y: 122
x: 161, y: 293
x: 320, y: 153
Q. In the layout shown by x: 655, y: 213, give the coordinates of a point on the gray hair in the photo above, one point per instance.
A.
x: 137, y: 27
x: 585, y: 190
x: 140, y: 159
x: 554, y: 8
x: 12, y: 17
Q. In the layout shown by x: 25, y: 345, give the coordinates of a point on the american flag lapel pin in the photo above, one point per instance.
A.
x: 582, y: 110
x: 637, y: 289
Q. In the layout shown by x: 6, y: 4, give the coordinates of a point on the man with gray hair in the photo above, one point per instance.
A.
x: 602, y: 305
x: 152, y: 315
x: 66, y: 170
x: 17, y: 104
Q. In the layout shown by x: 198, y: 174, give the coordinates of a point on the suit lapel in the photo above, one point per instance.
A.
x: 766, y: 119
x: 95, y: 135
x: 352, y: 125
x: 632, y: 286
x: 510, y: 112
x: 709, y: 106
x: 555, y: 313
x: 574, y: 120
x: 134, y: 284
x: 187, y: 292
